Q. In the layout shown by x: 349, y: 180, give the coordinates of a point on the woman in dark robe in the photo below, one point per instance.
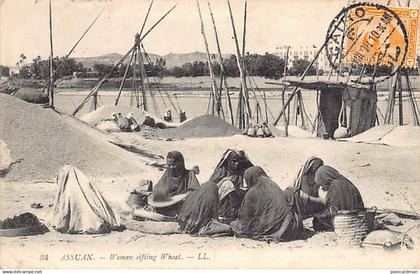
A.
x: 199, y: 208
x: 228, y: 176
x: 304, y: 193
x: 341, y: 195
x: 265, y: 212
x: 176, y: 180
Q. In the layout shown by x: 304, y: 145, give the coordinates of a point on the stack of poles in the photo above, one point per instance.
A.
x: 216, y: 102
x: 223, y: 82
x: 244, y: 111
x: 136, y: 52
x: 397, y: 86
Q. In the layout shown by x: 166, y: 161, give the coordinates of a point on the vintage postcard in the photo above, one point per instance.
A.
x: 209, y: 134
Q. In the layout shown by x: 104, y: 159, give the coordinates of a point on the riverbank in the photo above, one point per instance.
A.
x: 181, y: 84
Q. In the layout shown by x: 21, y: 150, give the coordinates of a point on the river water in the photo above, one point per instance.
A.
x: 196, y: 103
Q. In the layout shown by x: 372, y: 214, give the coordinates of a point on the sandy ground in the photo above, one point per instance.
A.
x: 387, y: 177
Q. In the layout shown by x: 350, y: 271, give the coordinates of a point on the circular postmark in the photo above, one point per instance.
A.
x: 366, y: 35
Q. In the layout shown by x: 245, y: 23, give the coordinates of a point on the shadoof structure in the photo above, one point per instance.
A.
x: 348, y: 105
x: 138, y: 59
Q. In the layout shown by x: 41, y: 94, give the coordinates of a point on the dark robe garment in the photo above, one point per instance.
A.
x: 174, y: 182
x: 264, y: 209
x: 230, y: 204
x: 199, y: 208
x: 342, y: 195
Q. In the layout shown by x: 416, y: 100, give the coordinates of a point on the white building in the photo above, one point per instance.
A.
x: 304, y: 52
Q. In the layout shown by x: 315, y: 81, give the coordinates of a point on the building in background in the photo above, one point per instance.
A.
x: 306, y: 53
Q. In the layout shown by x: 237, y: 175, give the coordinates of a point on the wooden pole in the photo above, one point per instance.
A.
x: 123, y: 80
x: 413, y: 103
x: 147, y: 16
x: 400, y: 100
x: 73, y: 48
x: 222, y: 68
x: 134, y: 80
x: 283, y: 93
x: 143, y: 80
x: 391, y: 98
x: 216, y: 99
x: 244, y: 31
x: 51, y: 88
x: 243, y: 55
x: 241, y: 72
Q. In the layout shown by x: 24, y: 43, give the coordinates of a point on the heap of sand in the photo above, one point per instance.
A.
x: 391, y: 135
x: 41, y: 141
x: 200, y: 127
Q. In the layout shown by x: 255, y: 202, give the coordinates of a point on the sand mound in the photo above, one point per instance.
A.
x: 200, y: 127
x: 372, y: 135
x: 41, y: 141
x: 399, y: 136
x: 404, y: 136
x: 104, y: 112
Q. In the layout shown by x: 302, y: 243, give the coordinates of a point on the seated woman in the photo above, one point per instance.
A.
x: 173, y: 186
x: 341, y: 194
x: 199, y: 212
x: 228, y: 176
x: 265, y: 212
x: 304, y: 192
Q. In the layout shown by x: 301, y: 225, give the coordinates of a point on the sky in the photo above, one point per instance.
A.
x: 270, y: 23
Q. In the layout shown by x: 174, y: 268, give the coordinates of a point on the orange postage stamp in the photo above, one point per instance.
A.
x: 379, y: 35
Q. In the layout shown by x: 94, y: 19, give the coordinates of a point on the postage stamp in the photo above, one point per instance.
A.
x: 371, y: 34
x: 383, y: 36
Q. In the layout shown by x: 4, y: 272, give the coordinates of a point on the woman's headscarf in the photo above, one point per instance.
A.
x: 252, y: 175
x: 264, y: 207
x: 342, y: 193
x: 222, y: 170
x: 175, y: 181
x: 307, y: 166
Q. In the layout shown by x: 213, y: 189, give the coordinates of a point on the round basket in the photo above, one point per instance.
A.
x: 352, y: 226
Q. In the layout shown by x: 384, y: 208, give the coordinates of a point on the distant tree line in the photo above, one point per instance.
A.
x: 265, y: 65
x: 40, y: 69
x: 4, y: 71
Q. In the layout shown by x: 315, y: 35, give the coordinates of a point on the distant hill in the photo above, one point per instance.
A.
x: 178, y: 59
x: 107, y: 59
x: 172, y: 59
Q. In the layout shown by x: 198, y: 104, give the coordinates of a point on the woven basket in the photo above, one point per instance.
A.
x: 352, y: 226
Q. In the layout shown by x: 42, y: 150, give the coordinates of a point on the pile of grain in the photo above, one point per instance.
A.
x: 41, y: 141
x: 200, y: 127
x: 391, y: 135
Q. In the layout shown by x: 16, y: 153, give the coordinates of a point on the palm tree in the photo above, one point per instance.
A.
x: 23, y: 58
